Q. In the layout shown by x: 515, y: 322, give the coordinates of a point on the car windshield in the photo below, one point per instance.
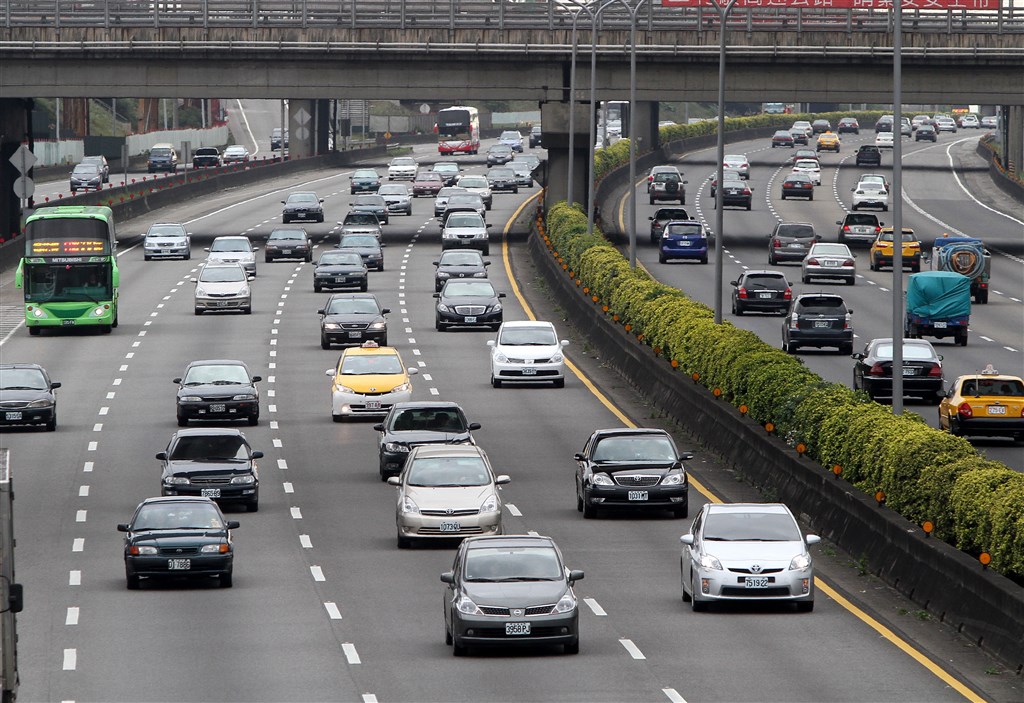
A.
x: 465, y: 220
x: 750, y: 527
x: 286, y: 235
x: 448, y: 471
x: 22, y: 380
x: 473, y: 182
x: 527, y: 336
x: 86, y: 169
x: 361, y: 218
x: 236, y: 150
x: 500, y: 149
x: 798, y: 178
x: 460, y: 258
x: 428, y: 176
x: 666, y: 215
x: 436, y: 419
x: 216, y: 374
x: 353, y: 306
x: 888, y: 236
x: 396, y: 189
x: 831, y: 249
x: 361, y: 240
x: 210, y: 448
x: 449, y: 191
x: 501, y: 173
x: 808, y: 163
x: 370, y: 365
x: 302, y: 198
x: 160, y: 152
x: 403, y: 161
x: 1006, y: 387
x: 166, y: 231
x: 686, y: 229
x: 468, y: 289
x: 369, y: 201
x: 338, y: 258
x: 800, y: 231
x: 783, y: 133
x: 233, y: 244
x: 915, y: 352
x: 222, y: 274
x: 510, y: 135
x: 822, y: 304
x: 177, y: 516
x: 513, y: 564
x: 366, y: 174
x: 634, y: 449
x: 447, y: 168
x: 464, y: 199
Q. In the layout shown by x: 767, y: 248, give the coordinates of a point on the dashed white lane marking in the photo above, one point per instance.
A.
x: 98, y: 427
x: 274, y: 425
x: 80, y: 516
x: 74, y: 577
x: 72, y: 616
x: 288, y: 488
x: 513, y: 509
x: 332, y: 610
x: 272, y: 408
x: 305, y: 541
x: 78, y: 544
x: 271, y: 379
x: 408, y: 330
x: 104, y: 410
x: 70, y: 659
x: 369, y: 698
x: 296, y: 513
x: 271, y: 393
x: 351, y: 654
x: 83, y: 491
x: 1011, y: 349
x: 277, y: 443
x: 92, y: 446
x: 673, y: 695
x: 282, y: 464
x: 318, y: 573
x: 110, y: 395
x: 136, y: 344
x: 434, y: 391
x: 595, y: 606
x: 987, y: 339
x: 534, y: 533
x: 117, y: 382
x: 633, y: 650
x: 421, y: 364
x: 87, y: 467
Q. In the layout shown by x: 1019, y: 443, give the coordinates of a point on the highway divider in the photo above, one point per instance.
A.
x: 890, y: 489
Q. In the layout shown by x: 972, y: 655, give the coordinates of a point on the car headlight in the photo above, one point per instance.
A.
x: 408, y: 506
x: 557, y: 359
x: 448, y: 235
x: 343, y: 389
x: 396, y: 447
x: 490, y: 505
x: 246, y: 480
x: 221, y: 548
x: 99, y: 312
x: 495, y: 308
x: 500, y: 358
x: 442, y: 308
x: 443, y: 274
x: 480, y: 274
x: 378, y: 325
x: 710, y: 562
x: 331, y: 326
x: 41, y: 403
x: 674, y: 478
x: 190, y: 399
x: 243, y: 293
x: 800, y: 562
x: 467, y: 607
x: 565, y: 604
x: 200, y: 292
x: 143, y: 550
x: 401, y: 389
x: 176, y: 480
x: 603, y: 480
x: 244, y: 396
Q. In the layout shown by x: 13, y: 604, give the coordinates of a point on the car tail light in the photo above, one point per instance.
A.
x: 876, y: 370
x: 935, y: 370
x: 746, y: 191
x: 794, y: 320
x: 984, y: 285
x: 788, y: 294
x: 964, y: 410
x: 877, y: 230
x: 846, y: 322
x: 848, y: 262
x: 813, y: 262
x: 741, y: 292
x: 776, y: 243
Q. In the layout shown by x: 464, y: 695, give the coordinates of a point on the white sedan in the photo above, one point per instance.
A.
x: 527, y: 351
x: 884, y: 140
x: 810, y: 167
x: 402, y: 168
x: 870, y: 194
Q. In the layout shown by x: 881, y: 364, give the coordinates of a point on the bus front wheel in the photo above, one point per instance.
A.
x: 34, y: 331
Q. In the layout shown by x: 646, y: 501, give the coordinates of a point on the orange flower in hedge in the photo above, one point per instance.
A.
x: 675, y: 363
x: 639, y: 338
x: 586, y: 289
x: 604, y: 308
x: 594, y: 298
x: 578, y: 281
x: 629, y: 328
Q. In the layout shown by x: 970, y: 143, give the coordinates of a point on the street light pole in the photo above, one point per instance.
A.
x: 572, y: 106
x: 723, y: 13
x: 631, y: 226
x: 897, y: 209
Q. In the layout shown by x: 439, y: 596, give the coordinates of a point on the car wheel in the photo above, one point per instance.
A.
x: 961, y: 339
x: 34, y: 331
x: 254, y: 420
x: 783, y: 196
x: 267, y: 259
x: 789, y: 347
x: 682, y: 585
x: 188, y: 256
x: 652, y: 201
x: 131, y: 581
x: 771, y: 258
x: 403, y: 542
x: 805, y: 606
x: 662, y: 259
x: 681, y: 512
x: 809, y: 197
x: 846, y: 349
x: 572, y: 647
x: 317, y: 288
x: 226, y: 580
x: 459, y: 649
x: 737, y: 309
x: 146, y: 257
x: 696, y: 605
x: 247, y: 311
x: 495, y: 382
x: 440, y: 326
x: 337, y: 418
x: 559, y: 382
x: 324, y: 343
x: 851, y: 281
x: 182, y: 421
x: 589, y: 509
x: 447, y: 636
x: 748, y: 206
x: 579, y: 502
x: 253, y: 506
x: 487, y: 251
x: 362, y: 288
x: 51, y: 424
x: 805, y: 279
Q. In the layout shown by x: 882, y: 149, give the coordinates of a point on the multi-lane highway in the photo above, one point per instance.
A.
x: 324, y: 606
x: 937, y: 199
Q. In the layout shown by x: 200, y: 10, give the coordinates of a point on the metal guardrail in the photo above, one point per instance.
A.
x: 500, y: 15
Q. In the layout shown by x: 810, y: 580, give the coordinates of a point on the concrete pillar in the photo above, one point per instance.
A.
x: 301, y: 128
x: 323, y: 126
x: 646, y: 126
x: 555, y: 138
x: 14, y: 126
x: 1013, y: 129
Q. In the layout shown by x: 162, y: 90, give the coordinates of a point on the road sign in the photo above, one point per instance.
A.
x: 845, y: 4
x: 301, y: 133
x: 424, y: 109
x: 302, y: 117
x: 24, y: 187
x: 23, y: 159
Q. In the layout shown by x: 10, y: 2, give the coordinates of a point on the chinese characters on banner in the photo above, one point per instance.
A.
x: 847, y: 4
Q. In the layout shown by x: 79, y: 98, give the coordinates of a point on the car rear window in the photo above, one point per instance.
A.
x: 795, y: 231
x: 765, y: 280
x: 823, y: 304
x: 859, y: 219
x: 684, y: 229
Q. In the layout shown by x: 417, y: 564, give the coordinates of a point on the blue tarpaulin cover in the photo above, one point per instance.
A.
x: 939, y: 295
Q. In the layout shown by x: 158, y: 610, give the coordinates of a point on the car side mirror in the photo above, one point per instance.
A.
x: 839, y: 222
x: 734, y: 283
x: 321, y: 201
x: 437, y: 295
x: 578, y: 456
x: 54, y: 385
x: 686, y: 539
x: 232, y: 524
x: 329, y: 372
x: 206, y: 248
x: 250, y: 277
x: 379, y: 427
x: 490, y: 342
x: 487, y: 263
x: 394, y: 481
x: 858, y: 355
x: 448, y: 577
x: 501, y: 295
x: 849, y: 311
x: 321, y: 311
x: 257, y: 454
x: 122, y: 527
x: 685, y: 456
x: 575, y: 575
x: 650, y: 218
x: 161, y: 456
x: 811, y: 539
x: 412, y: 370
x: 474, y: 426
x: 176, y: 380
x: 257, y: 379
x: 435, y: 263
x: 502, y: 479
x: 282, y: 202
x: 563, y: 342
x: 488, y: 225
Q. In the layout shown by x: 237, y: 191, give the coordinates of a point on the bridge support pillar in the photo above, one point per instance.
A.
x: 646, y: 126
x: 302, y: 128
x: 555, y: 138
x: 14, y: 126
x: 1013, y: 137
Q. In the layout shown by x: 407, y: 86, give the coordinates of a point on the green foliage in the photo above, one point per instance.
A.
x: 935, y: 487
x: 972, y: 500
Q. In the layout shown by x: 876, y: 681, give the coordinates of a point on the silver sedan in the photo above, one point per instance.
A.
x: 829, y: 260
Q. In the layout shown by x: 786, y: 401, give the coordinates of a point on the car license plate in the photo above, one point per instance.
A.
x: 822, y: 323
x: 685, y: 243
x: 765, y: 295
x: 68, y: 323
x: 756, y: 582
x: 470, y: 319
x: 340, y: 279
x: 218, y: 408
x: 795, y: 245
x: 355, y: 335
x: 529, y: 371
x: 991, y: 409
x: 373, y: 405
x: 939, y: 325
x: 517, y: 628
x: 13, y: 415
x: 222, y: 303
x: 450, y: 527
x: 909, y: 371
x: 179, y: 564
x: 210, y: 492
x: 301, y: 215
x: 831, y: 263
x: 286, y: 252
x: 637, y: 495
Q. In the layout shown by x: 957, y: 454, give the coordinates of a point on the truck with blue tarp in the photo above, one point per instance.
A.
x: 938, y: 305
x: 967, y: 256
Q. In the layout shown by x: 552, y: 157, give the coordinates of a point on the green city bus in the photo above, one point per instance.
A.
x: 69, y: 270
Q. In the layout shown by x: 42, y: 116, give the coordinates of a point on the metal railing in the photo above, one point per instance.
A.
x: 499, y: 15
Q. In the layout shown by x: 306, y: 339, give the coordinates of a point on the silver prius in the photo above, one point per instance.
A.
x: 747, y: 551
x: 447, y: 491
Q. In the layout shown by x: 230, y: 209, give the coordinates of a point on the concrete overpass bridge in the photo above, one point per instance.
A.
x: 455, y: 50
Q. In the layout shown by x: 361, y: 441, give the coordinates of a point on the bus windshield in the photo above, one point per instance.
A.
x: 453, y: 123
x: 53, y: 283
x: 48, y: 236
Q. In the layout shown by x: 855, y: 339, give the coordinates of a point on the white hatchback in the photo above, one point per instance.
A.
x: 810, y: 167
x: 527, y: 351
x: 884, y: 140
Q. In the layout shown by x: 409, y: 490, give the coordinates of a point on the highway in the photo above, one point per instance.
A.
x: 324, y: 606
x: 936, y: 200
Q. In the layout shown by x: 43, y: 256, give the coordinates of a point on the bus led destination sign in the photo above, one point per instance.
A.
x: 846, y: 4
x: 65, y: 247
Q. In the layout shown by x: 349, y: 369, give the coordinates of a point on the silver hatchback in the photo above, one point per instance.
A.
x: 829, y: 260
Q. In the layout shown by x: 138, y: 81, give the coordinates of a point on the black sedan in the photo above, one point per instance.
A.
x: 218, y: 389
x: 761, y: 291
x: 631, y: 468
x: 365, y: 180
x: 374, y: 204
x: 922, y: 369
x: 510, y: 590
x: 736, y: 193
x: 368, y: 246
x: 783, y: 138
x: 213, y: 462
x: 503, y: 179
x: 306, y: 207
x: 848, y: 125
x: 339, y: 269
x: 413, y: 423
x: 926, y: 132
x: 468, y: 303
x: 27, y: 397
x: 175, y: 537
x: 798, y: 185
x: 466, y: 263
x: 288, y: 244
x: 352, y: 319
x: 662, y: 216
x: 818, y: 320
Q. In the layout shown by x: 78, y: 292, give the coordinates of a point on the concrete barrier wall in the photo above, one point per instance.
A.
x: 1011, y: 187
x: 984, y: 606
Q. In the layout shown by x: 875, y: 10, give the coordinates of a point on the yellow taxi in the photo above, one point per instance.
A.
x: 882, y: 250
x: 827, y: 141
x: 987, y: 403
x: 367, y: 381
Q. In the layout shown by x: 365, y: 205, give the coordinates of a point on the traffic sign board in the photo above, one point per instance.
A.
x: 24, y: 187
x: 23, y: 159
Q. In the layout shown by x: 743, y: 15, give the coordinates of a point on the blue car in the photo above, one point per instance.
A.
x: 683, y: 239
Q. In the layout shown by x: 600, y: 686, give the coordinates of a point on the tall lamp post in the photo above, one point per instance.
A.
x: 723, y: 13
x: 897, y: 209
x: 631, y: 228
x: 572, y: 103
x: 593, y: 105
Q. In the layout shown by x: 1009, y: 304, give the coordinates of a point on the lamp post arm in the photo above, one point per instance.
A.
x: 723, y: 13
